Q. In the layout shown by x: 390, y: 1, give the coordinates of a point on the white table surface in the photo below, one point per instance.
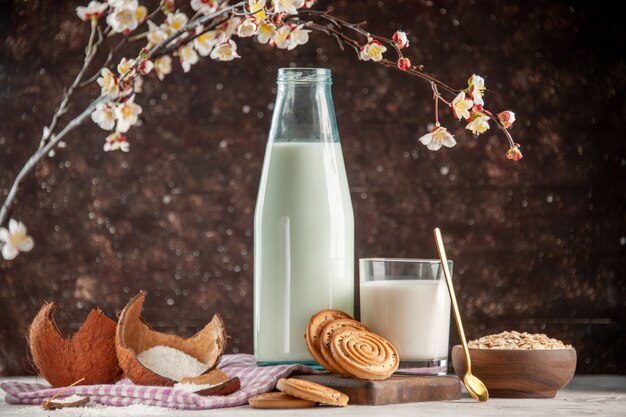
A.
x: 602, y: 395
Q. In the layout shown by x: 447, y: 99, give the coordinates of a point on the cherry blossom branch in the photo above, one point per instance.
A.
x: 337, y: 27
x: 344, y: 39
x: 193, y: 24
x: 209, y: 32
x: 48, y: 139
x: 62, y: 109
x: 41, y: 153
x: 185, y: 40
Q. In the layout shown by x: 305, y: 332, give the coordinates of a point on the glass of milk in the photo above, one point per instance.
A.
x: 406, y: 302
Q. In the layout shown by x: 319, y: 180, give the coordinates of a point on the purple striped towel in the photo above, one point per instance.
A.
x: 254, y: 380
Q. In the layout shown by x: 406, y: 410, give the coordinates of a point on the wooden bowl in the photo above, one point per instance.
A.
x: 518, y: 373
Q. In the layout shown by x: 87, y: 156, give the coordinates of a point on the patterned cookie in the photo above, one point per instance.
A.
x: 363, y: 354
x: 312, y: 391
x: 325, y: 341
x: 316, y: 324
x: 277, y: 400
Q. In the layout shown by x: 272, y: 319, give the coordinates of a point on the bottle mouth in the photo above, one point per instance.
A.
x: 304, y: 76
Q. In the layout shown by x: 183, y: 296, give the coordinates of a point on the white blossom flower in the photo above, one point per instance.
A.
x: 187, y: 56
x: 204, y: 43
x: 256, y: 5
x: 288, y: 37
x: 163, y: 66
x: 281, y: 39
x: 248, y: 27
x: 125, y: 66
x: 400, y: 39
x: 204, y: 6
x: 437, y: 138
x: 477, y: 89
x: 267, y: 31
x: 156, y: 34
x: 507, y: 118
x: 127, y: 114
x: 94, y: 9
x: 176, y: 21
x: 125, y: 4
x: 104, y: 116
x: 299, y: 36
x: 123, y: 20
x: 108, y: 83
x: 309, y: 3
x: 116, y: 142
x: 288, y: 6
x: 479, y: 123
x: 140, y: 13
x: 372, y: 50
x: 461, y: 106
x: 225, y: 51
x: 15, y: 240
x: 229, y: 27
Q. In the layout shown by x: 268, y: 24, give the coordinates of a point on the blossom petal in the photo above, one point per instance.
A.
x: 449, y: 141
x: 4, y: 234
x: 26, y: 245
x: 14, y: 226
x: 426, y: 139
x: 9, y: 252
x: 434, y: 146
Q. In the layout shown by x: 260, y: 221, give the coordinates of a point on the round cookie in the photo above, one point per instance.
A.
x: 325, y: 341
x: 363, y: 354
x: 277, y: 400
x: 312, y: 391
x: 316, y: 323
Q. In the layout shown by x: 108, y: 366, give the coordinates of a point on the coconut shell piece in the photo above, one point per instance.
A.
x: 69, y: 402
x: 220, y: 383
x: 216, y: 376
x: 89, y: 353
x: 134, y: 336
x: 221, y: 388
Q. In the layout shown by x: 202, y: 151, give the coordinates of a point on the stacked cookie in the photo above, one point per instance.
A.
x: 347, y: 347
x: 298, y: 393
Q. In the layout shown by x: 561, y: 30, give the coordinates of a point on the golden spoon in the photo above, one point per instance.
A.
x: 474, y: 386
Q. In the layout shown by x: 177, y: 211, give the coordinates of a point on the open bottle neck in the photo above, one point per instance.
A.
x: 304, y: 109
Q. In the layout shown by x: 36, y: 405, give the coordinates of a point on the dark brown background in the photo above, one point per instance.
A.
x: 538, y: 245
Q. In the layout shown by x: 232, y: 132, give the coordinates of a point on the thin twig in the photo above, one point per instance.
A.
x: 66, y: 98
x: 41, y: 153
x: 107, y: 61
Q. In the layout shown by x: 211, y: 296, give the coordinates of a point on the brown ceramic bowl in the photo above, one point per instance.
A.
x: 518, y: 373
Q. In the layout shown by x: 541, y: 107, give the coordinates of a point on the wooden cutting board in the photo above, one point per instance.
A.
x: 394, y: 390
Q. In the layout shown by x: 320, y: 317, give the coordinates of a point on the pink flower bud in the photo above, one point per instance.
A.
x: 506, y: 118
x: 144, y: 53
x: 404, y: 63
x: 514, y: 154
x: 145, y: 66
x: 477, y: 108
x: 168, y: 7
x: 400, y: 39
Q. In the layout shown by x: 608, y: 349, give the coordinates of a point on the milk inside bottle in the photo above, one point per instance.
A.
x: 304, y: 223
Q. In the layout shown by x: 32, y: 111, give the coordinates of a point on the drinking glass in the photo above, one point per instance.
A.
x: 406, y: 302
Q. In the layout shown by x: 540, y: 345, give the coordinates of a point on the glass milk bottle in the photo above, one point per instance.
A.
x: 303, y: 222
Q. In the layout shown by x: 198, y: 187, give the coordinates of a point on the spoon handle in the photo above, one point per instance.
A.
x: 455, y: 306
